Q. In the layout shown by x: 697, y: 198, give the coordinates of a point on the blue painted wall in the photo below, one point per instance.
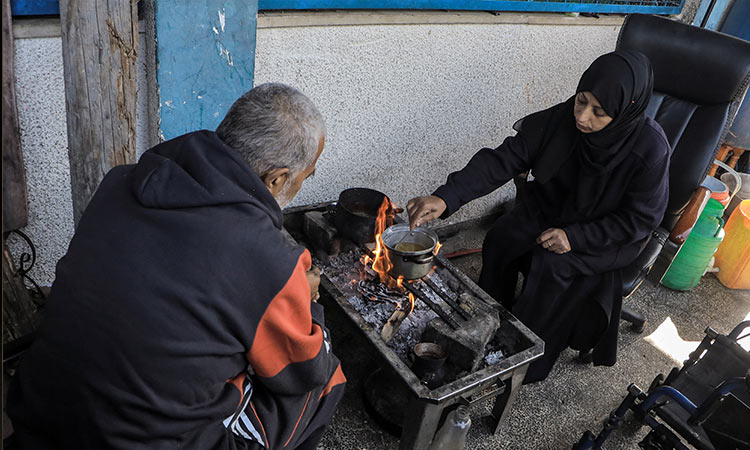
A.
x: 737, y: 23
x: 599, y: 6
x: 205, y: 55
x: 33, y: 7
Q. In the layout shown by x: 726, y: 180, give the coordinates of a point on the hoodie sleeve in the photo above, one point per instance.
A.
x: 487, y: 170
x: 296, y: 381
x: 291, y: 352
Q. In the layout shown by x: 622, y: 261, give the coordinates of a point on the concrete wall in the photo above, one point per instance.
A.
x: 406, y: 105
x: 406, y: 101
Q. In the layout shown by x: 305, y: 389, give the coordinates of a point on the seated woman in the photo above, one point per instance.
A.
x: 600, y: 173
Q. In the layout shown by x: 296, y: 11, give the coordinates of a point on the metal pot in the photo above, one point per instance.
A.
x: 356, y: 212
x: 409, y: 251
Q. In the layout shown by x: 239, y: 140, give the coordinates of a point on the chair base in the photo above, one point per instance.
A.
x: 636, y: 319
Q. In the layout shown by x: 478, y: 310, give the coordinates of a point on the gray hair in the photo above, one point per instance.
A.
x: 272, y: 126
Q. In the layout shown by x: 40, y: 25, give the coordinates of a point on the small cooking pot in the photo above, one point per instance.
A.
x: 409, y: 251
x: 356, y: 212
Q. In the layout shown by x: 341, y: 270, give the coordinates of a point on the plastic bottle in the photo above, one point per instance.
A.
x: 452, y: 435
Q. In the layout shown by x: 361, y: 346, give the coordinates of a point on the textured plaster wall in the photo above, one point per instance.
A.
x: 40, y: 90
x: 407, y: 104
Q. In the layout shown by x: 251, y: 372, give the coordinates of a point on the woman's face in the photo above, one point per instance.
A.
x: 589, y: 114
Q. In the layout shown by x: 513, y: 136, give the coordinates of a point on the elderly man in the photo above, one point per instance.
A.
x: 180, y: 316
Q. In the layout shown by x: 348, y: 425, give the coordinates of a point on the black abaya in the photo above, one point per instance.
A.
x: 607, y: 210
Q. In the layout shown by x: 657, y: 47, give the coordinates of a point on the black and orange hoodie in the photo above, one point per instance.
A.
x: 179, y: 317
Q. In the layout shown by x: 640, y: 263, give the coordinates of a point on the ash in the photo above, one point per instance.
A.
x: 494, y: 357
x: 375, y: 303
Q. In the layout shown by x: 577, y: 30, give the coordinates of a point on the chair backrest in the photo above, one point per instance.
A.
x: 700, y: 79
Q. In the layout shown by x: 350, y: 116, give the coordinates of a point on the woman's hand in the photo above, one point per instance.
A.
x: 424, y: 209
x: 554, y: 240
x: 313, y: 279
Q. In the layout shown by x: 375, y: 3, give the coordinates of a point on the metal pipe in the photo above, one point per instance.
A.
x: 446, y: 298
x: 435, y: 307
x: 667, y: 391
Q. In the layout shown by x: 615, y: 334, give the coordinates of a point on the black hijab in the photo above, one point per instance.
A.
x: 622, y: 82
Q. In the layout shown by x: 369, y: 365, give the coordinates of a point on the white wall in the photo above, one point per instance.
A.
x: 404, y: 104
x: 407, y: 104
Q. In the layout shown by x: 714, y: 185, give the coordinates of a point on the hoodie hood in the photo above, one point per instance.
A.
x: 196, y: 170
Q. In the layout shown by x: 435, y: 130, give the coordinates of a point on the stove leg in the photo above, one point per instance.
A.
x: 505, y: 400
x: 420, y: 424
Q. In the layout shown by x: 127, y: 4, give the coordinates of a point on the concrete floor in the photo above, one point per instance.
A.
x: 554, y: 413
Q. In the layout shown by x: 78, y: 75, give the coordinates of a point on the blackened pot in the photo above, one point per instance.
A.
x: 356, y: 212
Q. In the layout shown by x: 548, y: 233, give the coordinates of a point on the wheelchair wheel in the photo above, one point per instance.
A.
x: 658, y: 381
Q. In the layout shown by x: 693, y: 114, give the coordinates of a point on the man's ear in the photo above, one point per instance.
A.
x: 276, y: 179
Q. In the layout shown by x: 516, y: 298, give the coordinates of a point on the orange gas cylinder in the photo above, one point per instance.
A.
x: 733, y: 255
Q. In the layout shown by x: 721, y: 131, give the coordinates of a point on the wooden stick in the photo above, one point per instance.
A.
x: 393, y: 324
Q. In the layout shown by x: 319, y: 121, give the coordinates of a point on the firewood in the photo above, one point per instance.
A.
x: 393, y: 324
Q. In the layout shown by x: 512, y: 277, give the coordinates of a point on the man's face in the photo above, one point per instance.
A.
x: 293, y: 185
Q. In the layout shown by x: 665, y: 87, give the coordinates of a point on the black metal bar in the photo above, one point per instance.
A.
x: 435, y: 307
x: 26, y: 262
x: 446, y: 298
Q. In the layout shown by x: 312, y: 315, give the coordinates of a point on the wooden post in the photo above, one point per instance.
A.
x: 99, y: 43
x: 15, y: 207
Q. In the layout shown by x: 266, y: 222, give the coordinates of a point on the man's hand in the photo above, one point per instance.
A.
x: 554, y: 240
x: 424, y: 209
x: 313, y: 279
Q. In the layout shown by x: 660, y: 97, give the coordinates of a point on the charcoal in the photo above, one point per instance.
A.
x: 465, y: 345
x: 319, y: 233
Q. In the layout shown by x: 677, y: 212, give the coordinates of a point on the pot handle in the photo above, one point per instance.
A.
x: 421, y: 259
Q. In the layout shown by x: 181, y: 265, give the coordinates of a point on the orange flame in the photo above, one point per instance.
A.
x: 438, y: 246
x: 380, y: 263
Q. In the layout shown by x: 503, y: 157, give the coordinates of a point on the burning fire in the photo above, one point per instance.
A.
x: 380, y: 262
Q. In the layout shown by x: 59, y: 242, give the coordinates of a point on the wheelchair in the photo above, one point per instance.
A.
x: 704, y: 405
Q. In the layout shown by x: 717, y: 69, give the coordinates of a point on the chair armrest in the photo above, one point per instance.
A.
x: 689, y: 217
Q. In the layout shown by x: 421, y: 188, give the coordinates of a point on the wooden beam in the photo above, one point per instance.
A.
x: 15, y: 206
x: 100, y: 41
